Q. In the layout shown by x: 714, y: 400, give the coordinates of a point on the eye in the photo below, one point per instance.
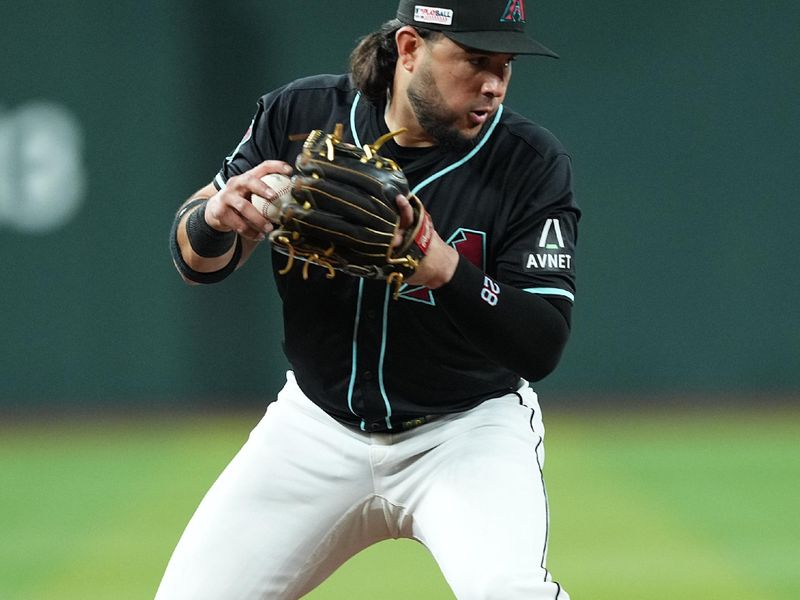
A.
x: 478, y: 61
x: 485, y: 61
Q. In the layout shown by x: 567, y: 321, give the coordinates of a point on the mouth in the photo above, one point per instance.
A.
x: 479, y: 117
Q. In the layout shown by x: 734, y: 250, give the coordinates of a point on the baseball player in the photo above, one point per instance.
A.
x: 410, y: 417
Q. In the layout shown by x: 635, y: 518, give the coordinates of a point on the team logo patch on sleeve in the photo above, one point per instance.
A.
x: 246, y: 138
x: 551, y: 253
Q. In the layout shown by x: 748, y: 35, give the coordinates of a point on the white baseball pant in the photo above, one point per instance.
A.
x: 306, y: 493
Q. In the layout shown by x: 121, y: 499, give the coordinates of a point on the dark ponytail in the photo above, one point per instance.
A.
x: 372, y: 62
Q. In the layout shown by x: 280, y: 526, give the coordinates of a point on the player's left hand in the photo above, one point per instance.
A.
x: 439, y: 264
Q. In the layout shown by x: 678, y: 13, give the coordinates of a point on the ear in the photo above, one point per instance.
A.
x: 409, y: 47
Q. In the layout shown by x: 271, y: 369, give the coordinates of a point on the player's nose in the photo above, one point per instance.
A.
x: 494, y: 86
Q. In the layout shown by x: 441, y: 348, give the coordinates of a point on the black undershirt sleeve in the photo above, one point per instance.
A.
x: 518, y: 330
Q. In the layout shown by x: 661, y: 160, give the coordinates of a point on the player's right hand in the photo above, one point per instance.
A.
x: 230, y: 208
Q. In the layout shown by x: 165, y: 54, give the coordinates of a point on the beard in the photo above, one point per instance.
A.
x: 434, y: 117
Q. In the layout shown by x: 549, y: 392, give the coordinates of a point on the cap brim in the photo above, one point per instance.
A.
x: 508, y: 42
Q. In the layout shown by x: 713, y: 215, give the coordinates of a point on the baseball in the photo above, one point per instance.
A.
x: 283, y: 188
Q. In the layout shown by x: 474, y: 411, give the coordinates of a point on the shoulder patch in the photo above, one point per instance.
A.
x: 551, y: 253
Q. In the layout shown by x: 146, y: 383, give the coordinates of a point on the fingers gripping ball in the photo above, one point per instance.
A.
x: 271, y: 210
x: 342, y: 213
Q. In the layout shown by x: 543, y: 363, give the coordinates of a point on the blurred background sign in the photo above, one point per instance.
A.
x: 682, y: 120
x: 41, y: 157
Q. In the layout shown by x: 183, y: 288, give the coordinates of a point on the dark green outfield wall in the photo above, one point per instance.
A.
x: 683, y: 119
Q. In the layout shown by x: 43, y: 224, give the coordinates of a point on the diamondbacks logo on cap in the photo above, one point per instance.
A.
x: 430, y: 14
x: 514, y: 12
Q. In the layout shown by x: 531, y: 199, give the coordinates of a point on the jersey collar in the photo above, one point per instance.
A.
x: 367, y: 124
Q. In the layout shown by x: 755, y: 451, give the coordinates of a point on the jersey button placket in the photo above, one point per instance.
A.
x: 370, y: 339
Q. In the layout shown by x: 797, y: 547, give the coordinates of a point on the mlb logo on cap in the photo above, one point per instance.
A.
x: 437, y: 16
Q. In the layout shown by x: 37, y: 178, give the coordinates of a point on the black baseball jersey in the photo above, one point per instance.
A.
x: 506, y: 206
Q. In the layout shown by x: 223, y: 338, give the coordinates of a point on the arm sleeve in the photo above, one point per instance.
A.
x: 521, y: 331
x: 520, y: 315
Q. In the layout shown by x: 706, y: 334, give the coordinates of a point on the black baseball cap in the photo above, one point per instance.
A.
x: 489, y: 25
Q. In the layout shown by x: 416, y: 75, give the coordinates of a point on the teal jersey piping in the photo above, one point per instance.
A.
x: 383, y: 356
x: 467, y: 158
x: 552, y: 292
x: 352, y: 385
x: 360, y: 284
x: 353, y: 120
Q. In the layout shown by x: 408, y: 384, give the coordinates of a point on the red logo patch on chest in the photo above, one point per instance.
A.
x: 470, y: 244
